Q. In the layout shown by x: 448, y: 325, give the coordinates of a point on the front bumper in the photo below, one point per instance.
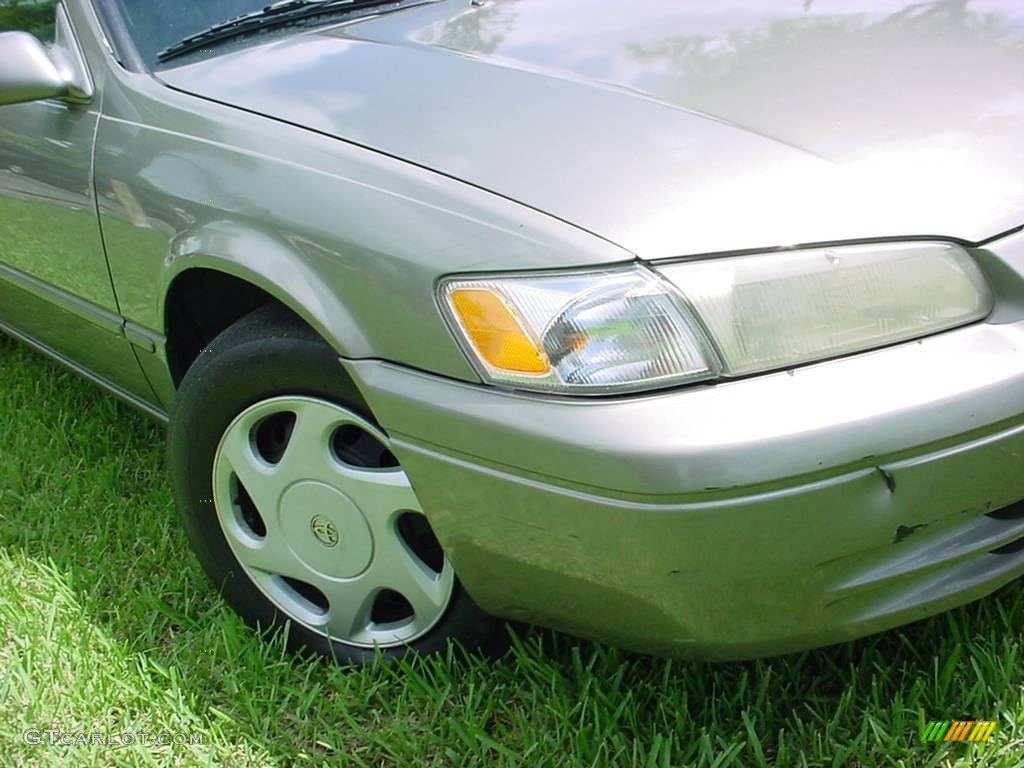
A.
x: 735, y: 520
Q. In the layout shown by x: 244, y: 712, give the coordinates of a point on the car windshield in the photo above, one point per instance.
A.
x: 156, y: 25
x: 168, y: 29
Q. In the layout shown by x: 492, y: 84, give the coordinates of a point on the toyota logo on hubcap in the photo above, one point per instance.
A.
x: 325, y: 531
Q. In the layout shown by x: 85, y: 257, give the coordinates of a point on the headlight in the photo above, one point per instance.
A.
x: 775, y: 310
x: 631, y: 329
x: 588, y: 333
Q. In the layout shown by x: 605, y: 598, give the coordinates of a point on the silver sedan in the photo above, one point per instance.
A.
x: 697, y: 328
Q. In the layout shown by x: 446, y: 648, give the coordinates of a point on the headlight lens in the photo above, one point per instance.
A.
x: 775, y: 310
x: 589, y: 333
x: 632, y: 329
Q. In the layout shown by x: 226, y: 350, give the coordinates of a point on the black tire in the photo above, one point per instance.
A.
x: 271, y: 353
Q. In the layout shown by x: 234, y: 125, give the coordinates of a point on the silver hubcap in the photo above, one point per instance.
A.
x: 326, y: 524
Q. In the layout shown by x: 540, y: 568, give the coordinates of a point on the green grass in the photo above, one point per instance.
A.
x: 107, y: 625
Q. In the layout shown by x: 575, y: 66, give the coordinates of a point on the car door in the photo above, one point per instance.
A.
x: 55, y: 288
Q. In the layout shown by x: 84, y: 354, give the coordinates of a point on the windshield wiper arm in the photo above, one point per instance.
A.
x: 280, y: 12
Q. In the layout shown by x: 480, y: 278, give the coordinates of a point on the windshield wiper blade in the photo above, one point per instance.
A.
x: 280, y: 12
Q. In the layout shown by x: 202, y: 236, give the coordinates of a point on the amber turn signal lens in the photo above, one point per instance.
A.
x: 496, y: 333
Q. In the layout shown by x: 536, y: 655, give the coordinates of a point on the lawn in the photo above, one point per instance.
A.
x: 106, y: 625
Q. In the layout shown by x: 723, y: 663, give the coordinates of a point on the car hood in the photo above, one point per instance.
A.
x: 677, y: 128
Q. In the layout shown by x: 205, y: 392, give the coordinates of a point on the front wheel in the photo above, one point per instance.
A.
x: 297, y: 508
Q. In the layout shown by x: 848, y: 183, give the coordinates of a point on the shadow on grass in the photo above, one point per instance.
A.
x: 82, y: 488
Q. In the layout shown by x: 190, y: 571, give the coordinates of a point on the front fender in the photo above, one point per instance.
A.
x: 274, y: 266
x: 351, y: 240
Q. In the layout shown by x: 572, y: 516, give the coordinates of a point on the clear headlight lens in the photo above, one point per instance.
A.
x: 775, y: 310
x: 631, y: 329
x: 582, y: 333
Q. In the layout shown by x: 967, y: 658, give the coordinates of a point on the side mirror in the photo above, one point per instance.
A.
x: 27, y: 73
x: 30, y: 71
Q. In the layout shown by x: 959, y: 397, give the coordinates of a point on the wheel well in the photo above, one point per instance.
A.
x: 200, y: 304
